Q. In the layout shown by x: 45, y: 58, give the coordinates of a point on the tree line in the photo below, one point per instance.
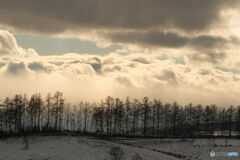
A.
x: 113, y: 116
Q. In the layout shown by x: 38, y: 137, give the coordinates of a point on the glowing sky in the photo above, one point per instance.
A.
x: 186, y: 51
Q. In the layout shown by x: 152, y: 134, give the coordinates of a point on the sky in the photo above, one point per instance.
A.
x: 184, y: 51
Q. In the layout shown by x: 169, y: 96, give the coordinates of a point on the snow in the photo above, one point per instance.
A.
x: 192, y: 149
x: 87, y: 148
x: 70, y: 148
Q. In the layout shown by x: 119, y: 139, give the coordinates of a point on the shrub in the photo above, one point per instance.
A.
x: 116, y: 153
x: 25, y: 142
x: 137, y: 157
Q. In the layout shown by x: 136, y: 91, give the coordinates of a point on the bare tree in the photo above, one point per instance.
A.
x: 146, y: 110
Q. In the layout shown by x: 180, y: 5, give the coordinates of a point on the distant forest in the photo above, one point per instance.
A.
x: 116, y: 117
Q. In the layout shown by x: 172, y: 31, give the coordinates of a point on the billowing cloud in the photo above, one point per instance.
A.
x: 9, y: 46
x: 158, y: 78
x: 161, y: 73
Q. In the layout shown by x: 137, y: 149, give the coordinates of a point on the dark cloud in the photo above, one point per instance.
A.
x: 168, y: 76
x: 205, y: 41
x: 152, y: 38
x: 207, y: 48
x: 139, y: 22
x: 171, y: 40
x: 39, y: 67
x: 54, y: 16
x: 141, y: 60
x: 96, y: 64
x: 16, y: 68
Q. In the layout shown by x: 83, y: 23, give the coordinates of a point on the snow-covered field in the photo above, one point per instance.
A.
x: 192, y: 149
x: 81, y: 148
x: 70, y: 148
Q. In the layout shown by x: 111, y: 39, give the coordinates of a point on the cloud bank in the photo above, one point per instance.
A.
x: 93, y: 77
x: 60, y: 15
x: 163, y: 21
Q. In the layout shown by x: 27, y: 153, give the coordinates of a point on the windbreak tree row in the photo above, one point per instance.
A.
x: 116, y: 117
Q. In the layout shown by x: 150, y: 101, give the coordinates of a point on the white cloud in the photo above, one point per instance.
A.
x: 93, y: 77
x: 9, y: 46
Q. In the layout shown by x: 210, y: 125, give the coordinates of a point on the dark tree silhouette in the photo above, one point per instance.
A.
x: 19, y: 115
